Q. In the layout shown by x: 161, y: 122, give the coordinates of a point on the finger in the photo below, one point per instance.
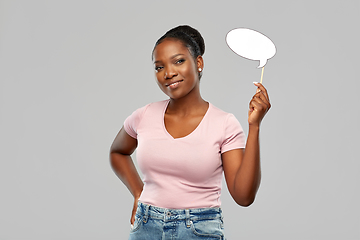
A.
x: 254, y: 106
x: 258, y: 104
x: 132, y: 219
x: 133, y: 213
x: 262, y: 96
x: 262, y: 89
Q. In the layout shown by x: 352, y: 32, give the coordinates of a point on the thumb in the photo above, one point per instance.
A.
x: 132, y: 219
x: 133, y: 213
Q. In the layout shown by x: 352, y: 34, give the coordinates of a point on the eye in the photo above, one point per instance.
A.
x: 158, y: 68
x: 180, y: 61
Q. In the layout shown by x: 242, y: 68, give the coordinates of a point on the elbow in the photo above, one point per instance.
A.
x: 245, y: 201
x: 115, y: 159
x: 246, y: 196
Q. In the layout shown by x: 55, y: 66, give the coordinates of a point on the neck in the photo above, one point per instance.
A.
x: 186, y: 105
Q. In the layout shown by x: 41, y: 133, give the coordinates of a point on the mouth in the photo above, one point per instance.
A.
x: 173, y: 84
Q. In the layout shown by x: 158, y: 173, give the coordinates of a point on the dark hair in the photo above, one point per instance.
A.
x: 190, y: 37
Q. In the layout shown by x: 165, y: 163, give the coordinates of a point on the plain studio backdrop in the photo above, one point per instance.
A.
x: 72, y: 71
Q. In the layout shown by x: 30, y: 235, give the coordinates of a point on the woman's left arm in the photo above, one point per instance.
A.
x: 242, y: 166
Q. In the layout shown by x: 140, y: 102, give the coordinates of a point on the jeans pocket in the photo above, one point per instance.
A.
x: 137, y: 224
x: 210, y: 228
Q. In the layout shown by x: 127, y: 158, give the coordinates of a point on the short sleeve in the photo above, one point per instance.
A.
x: 132, y: 122
x: 234, y: 135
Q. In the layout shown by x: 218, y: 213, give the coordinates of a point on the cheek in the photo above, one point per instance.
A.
x: 158, y: 77
x: 191, y: 70
x: 159, y: 80
x: 191, y: 74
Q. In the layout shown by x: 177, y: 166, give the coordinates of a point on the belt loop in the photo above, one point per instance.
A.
x: 221, y: 218
x: 146, y: 215
x: 187, y: 212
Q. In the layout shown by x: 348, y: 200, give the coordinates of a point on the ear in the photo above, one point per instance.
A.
x: 200, y: 62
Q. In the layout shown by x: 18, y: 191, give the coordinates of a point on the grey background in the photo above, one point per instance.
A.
x: 72, y: 71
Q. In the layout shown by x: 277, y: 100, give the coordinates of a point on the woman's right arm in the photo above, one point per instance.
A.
x: 121, y: 149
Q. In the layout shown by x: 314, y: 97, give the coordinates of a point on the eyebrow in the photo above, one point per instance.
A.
x: 172, y: 57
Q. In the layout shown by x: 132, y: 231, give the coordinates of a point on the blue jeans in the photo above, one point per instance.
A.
x: 155, y: 223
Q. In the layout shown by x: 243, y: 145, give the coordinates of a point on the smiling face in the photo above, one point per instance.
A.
x: 175, y: 69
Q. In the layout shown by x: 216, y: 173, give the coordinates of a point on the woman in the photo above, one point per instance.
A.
x: 183, y: 146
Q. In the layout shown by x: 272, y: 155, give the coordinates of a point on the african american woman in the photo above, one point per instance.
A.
x: 184, y: 145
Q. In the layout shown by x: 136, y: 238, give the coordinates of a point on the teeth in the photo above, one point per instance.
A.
x: 175, y: 83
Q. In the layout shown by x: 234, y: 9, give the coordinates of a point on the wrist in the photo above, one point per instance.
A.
x: 254, y: 127
x: 137, y: 196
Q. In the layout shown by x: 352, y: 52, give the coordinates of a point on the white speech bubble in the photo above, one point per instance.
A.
x: 251, y: 44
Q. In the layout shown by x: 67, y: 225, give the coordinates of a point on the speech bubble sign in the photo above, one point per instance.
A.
x: 251, y: 44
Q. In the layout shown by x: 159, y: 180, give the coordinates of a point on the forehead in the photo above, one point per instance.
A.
x: 168, y: 48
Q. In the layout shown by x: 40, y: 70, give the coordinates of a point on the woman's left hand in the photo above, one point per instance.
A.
x: 259, y: 105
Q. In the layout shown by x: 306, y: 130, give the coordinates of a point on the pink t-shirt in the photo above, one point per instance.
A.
x: 182, y: 172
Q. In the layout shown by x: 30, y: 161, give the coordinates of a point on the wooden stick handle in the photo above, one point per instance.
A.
x: 262, y: 73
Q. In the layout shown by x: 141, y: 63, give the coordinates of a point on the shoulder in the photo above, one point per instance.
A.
x: 149, y: 111
x: 232, y: 134
x: 153, y: 106
x: 220, y: 114
x: 227, y: 121
x: 158, y: 105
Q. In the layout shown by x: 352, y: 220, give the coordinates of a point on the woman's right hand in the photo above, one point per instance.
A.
x: 132, y: 219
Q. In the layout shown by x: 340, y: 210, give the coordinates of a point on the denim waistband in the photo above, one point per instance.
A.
x: 146, y: 211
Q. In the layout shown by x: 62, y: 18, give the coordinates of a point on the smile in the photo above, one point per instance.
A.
x: 174, y: 84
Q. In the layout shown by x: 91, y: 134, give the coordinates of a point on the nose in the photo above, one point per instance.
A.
x: 169, y: 73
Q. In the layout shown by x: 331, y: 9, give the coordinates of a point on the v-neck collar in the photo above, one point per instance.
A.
x: 193, y: 132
